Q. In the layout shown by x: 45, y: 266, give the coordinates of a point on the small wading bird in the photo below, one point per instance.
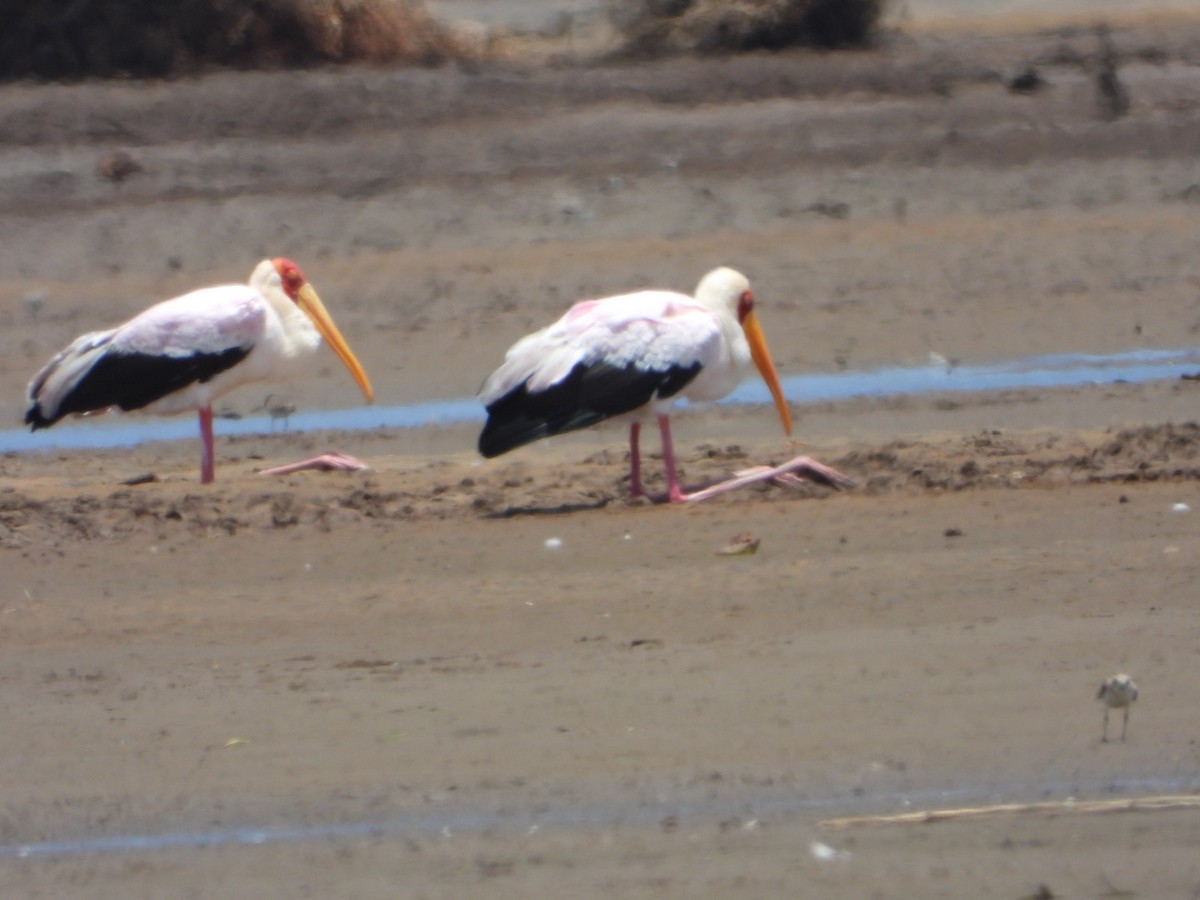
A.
x: 182, y: 354
x: 278, y: 408
x: 1117, y: 692
x: 631, y: 356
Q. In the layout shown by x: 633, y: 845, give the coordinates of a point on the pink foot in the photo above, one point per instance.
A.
x: 326, y: 462
x: 794, y: 472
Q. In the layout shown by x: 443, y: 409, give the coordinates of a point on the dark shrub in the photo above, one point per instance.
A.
x: 711, y: 26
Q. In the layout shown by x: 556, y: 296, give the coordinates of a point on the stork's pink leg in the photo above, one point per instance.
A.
x: 206, y: 438
x: 799, y: 469
x: 635, y: 462
x: 675, y: 493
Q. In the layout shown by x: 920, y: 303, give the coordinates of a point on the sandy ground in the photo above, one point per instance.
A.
x: 397, y: 661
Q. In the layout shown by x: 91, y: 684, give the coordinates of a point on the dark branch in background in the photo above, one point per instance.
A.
x: 1114, y: 99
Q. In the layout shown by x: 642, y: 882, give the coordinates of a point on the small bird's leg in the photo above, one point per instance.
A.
x: 206, y: 438
x: 675, y: 494
x: 635, y: 462
x: 1104, y: 734
x: 1124, y: 724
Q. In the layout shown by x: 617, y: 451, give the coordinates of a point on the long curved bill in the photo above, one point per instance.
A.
x: 308, y: 301
x: 762, y: 358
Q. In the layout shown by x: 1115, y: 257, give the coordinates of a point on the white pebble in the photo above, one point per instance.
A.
x: 1181, y: 507
x: 825, y: 853
x: 553, y: 543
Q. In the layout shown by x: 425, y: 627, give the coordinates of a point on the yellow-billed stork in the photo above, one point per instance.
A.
x: 631, y: 356
x: 183, y: 353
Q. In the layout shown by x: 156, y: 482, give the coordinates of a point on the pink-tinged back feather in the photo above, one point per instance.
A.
x: 653, y: 330
x: 205, y: 321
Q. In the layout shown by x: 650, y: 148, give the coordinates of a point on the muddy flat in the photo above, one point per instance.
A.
x: 447, y: 676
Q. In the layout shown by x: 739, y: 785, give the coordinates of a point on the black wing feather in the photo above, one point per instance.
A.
x: 134, y: 380
x: 589, y: 394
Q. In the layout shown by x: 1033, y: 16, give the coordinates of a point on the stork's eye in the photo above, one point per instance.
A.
x: 292, y: 281
x: 745, y: 305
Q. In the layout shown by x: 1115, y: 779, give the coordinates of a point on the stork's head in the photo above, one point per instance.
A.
x: 290, y: 277
x: 300, y: 292
x: 731, y: 289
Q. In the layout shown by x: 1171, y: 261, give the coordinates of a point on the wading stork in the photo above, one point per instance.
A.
x: 630, y: 356
x: 184, y: 353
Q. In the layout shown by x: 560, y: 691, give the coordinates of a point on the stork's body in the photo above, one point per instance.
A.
x: 184, y: 353
x: 631, y: 356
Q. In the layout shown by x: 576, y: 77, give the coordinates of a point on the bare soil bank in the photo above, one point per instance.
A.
x: 362, y: 647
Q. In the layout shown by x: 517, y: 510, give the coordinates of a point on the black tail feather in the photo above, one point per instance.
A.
x: 131, y: 381
x: 35, y: 419
x: 589, y: 394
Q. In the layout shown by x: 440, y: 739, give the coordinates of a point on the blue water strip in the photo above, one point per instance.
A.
x: 745, y: 802
x: 1053, y: 371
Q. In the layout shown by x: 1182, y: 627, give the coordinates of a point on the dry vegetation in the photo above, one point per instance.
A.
x: 713, y: 26
x: 68, y: 39
x: 72, y: 39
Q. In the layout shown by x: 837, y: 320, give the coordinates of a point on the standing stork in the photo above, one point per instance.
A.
x: 184, y: 353
x: 631, y: 356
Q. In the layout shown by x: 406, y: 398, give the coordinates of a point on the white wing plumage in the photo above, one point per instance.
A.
x: 59, y: 377
x: 205, y: 321
x: 650, y: 330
